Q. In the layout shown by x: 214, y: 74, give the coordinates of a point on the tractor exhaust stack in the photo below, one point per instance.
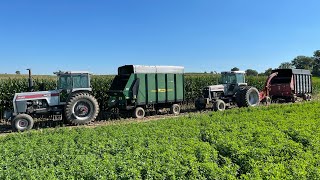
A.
x: 30, y: 81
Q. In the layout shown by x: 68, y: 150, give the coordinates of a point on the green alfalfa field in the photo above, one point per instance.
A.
x: 275, y: 142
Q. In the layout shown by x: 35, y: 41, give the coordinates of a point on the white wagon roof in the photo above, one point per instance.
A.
x: 156, y: 69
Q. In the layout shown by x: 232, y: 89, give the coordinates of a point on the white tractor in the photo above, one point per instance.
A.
x: 233, y: 91
x: 71, y: 101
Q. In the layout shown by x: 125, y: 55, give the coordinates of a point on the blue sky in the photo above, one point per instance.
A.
x: 202, y: 35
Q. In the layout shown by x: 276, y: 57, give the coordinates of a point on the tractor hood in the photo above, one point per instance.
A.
x: 36, y: 95
x: 20, y: 99
x: 218, y: 87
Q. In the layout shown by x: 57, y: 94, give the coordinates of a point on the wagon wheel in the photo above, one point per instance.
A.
x: 175, y: 109
x: 139, y: 113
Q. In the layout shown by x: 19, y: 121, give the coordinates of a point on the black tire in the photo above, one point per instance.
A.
x: 139, y: 113
x: 268, y: 100
x: 247, y: 97
x: 175, y: 109
x: 219, y: 105
x: 81, y: 108
x: 22, y: 122
x: 199, y: 105
x: 305, y: 97
x: 293, y: 99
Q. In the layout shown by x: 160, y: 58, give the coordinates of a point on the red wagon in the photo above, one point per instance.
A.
x: 287, y: 85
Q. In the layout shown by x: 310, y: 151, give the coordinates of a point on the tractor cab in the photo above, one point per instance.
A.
x: 72, y: 81
x: 232, y: 80
x: 233, y: 77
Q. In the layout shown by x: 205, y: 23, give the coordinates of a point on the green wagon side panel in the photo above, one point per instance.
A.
x: 152, y: 89
x: 170, y: 88
x: 179, y: 87
x: 142, y: 89
x: 158, y: 88
x: 161, y: 85
x: 127, y: 91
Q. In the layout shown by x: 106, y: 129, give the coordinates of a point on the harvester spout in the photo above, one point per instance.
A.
x: 265, y: 92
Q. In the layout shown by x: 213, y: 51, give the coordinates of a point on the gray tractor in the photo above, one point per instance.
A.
x: 71, y: 101
x: 233, y: 91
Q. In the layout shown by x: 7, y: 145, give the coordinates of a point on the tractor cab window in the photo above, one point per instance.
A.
x: 65, y: 82
x: 73, y: 81
x: 241, y: 78
x: 228, y: 78
x: 232, y: 78
x: 80, y: 81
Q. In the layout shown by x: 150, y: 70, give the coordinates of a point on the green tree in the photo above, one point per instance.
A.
x: 268, y: 72
x: 303, y: 62
x: 316, y: 53
x: 316, y: 66
x: 235, y: 69
x: 18, y: 72
x: 285, y: 65
x: 251, y: 72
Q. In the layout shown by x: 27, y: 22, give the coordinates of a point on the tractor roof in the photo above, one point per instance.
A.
x: 71, y: 72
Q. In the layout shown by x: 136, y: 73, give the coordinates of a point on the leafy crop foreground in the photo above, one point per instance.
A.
x: 275, y: 142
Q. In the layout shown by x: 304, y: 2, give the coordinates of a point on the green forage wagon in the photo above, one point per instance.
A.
x: 138, y: 89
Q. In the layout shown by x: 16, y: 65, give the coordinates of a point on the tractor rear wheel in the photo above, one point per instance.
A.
x: 219, y: 105
x: 22, y: 122
x: 247, y: 96
x: 139, y: 113
x: 81, y: 108
x: 175, y: 109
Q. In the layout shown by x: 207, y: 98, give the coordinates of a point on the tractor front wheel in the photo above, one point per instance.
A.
x: 219, y: 105
x: 81, y: 108
x: 22, y: 122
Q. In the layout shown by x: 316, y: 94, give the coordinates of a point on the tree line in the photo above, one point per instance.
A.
x: 311, y: 63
